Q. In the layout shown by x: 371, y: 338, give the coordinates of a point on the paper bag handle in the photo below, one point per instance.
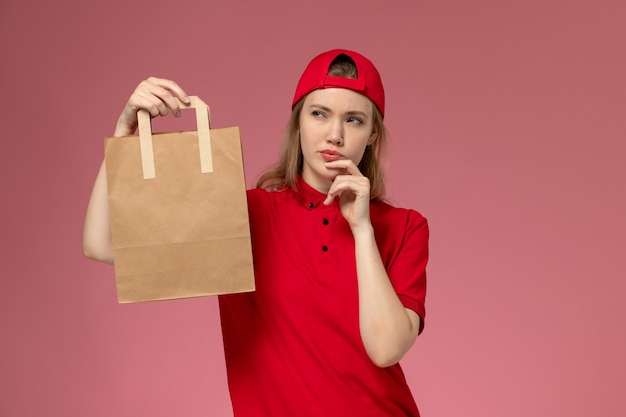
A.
x: 204, y: 137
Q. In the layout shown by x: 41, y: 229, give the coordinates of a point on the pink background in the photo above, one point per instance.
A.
x: 509, y: 123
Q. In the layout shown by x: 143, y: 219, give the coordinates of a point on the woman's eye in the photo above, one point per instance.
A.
x: 317, y: 113
x: 354, y: 120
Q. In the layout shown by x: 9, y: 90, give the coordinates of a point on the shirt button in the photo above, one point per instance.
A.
x: 311, y: 205
x: 325, y: 222
x: 325, y: 248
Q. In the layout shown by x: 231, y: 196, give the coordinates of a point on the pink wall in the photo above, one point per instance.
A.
x: 509, y: 121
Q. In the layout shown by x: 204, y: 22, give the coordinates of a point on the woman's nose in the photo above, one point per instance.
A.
x: 335, y: 134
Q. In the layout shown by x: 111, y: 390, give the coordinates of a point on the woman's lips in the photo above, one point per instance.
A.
x: 330, y: 155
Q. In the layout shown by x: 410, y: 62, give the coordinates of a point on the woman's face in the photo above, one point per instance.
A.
x: 335, y: 123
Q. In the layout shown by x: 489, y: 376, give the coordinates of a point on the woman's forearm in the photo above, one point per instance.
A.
x: 388, y: 329
x: 97, y: 243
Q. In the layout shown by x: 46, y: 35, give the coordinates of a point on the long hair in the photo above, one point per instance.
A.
x: 285, y: 173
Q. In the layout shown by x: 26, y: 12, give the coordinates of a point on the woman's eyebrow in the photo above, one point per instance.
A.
x: 356, y: 113
x: 349, y: 113
x: 319, y: 106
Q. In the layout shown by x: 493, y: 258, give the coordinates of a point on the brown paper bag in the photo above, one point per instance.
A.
x: 179, y: 217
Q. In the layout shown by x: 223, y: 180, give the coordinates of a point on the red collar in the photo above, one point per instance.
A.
x: 307, y: 195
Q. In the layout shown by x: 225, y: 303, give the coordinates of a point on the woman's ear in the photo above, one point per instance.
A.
x: 373, y: 137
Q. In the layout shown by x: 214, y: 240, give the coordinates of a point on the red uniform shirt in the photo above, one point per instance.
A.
x: 293, y: 347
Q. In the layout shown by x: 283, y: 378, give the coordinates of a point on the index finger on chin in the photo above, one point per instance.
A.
x: 346, y: 164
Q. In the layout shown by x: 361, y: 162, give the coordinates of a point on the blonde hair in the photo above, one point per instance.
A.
x: 285, y: 173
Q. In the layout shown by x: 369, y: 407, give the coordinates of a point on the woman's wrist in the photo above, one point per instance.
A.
x: 363, y: 231
x: 123, y: 129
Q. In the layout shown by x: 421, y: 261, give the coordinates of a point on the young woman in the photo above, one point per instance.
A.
x: 340, y: 274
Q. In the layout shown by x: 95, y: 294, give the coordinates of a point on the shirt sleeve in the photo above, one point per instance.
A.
x: 407, y: 269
